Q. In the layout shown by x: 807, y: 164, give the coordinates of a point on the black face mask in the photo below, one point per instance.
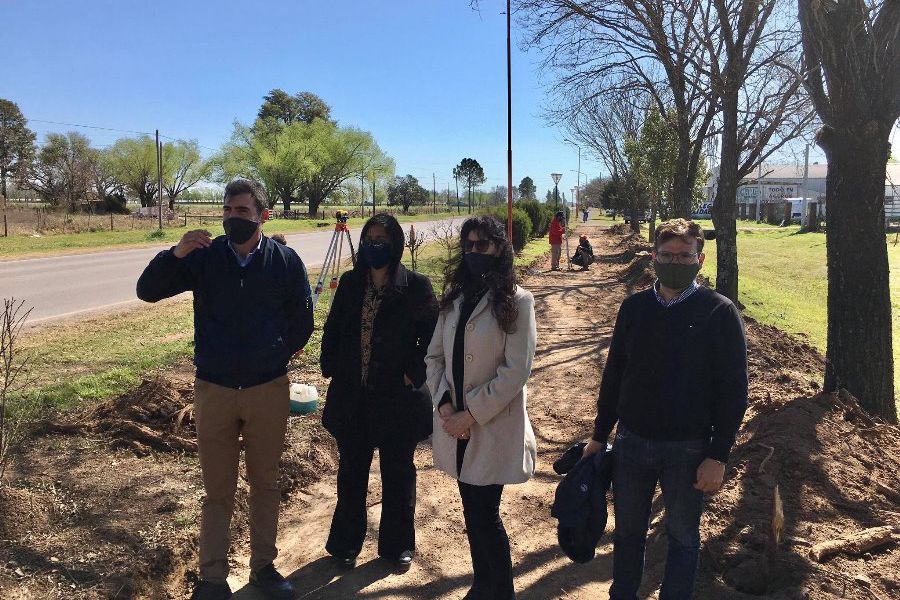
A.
x: 376, y: 254
x: 238, y: 230
x: 479, y: 264
x: 676, y: 276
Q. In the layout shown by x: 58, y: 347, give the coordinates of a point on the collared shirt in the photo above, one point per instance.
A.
x: 243, y: 262
x: 684, y: 295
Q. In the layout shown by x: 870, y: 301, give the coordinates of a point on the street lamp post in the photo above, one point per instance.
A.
x: 556, y: 177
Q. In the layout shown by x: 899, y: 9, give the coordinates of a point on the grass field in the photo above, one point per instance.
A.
x: 103, y: 356
x: 22, y: 246
x: 783, y: 282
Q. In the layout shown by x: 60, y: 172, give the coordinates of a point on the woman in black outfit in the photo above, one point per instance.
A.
x: 373, y: 349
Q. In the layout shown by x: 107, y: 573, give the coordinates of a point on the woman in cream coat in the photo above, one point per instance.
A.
x: 478, y: 363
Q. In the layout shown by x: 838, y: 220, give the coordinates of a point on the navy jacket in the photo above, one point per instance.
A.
x: 248, y: 321
x: 580, y: 505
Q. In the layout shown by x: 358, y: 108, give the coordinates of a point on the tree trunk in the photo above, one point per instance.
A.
x: 651, y: 235
x: 858, y: 355
x: 681, y: 182
x: 286, y: 200
x: 314, y: 202
x: 724, y: 204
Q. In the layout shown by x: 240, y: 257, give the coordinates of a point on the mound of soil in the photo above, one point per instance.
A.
x: 21, y: 511
x: 835, y: 469
x: 154, y: 416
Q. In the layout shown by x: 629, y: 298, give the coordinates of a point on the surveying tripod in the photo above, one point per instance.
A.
x: 332, y: 262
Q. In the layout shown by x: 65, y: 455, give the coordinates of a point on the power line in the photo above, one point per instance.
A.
x: 98, y: 127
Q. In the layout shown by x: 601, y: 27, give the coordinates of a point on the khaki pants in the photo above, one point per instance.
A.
x: 555, y: 253
x: 258, y: 414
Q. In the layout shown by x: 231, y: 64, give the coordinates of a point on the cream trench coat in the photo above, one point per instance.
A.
x: 502, y: 448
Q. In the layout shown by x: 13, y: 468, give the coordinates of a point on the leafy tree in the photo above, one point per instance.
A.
x: 406, y: 191
x: 527, y: 190
x: 16, y: 142
x: 61, y: 171
x: 104, y: 183
x: 285, y: 109
x: 652, y: 162
x: 852, y: 68
x: 281, y: 158
x: 592, y: 194
x: 182, y: 168
x: 472, y: 175
x: 133, y: 163
x: 340, y: 153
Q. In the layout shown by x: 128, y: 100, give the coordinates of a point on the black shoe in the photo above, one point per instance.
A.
x: 207, y: 590
x: 404, y: 561
x: 271, y: 583
x: 475, y: 593
x: 345, y: 561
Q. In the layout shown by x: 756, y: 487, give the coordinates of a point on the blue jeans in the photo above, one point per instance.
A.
x: 639, y: 464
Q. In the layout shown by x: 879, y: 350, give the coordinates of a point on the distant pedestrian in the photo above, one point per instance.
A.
x: 584, y: 253
x: 584, y: 215
x: 478, y: 363
x: 675, y: 381
x: 557, y: 230
x: 252, y: 313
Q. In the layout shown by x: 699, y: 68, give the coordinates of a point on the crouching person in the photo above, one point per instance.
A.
x: 252, y: 312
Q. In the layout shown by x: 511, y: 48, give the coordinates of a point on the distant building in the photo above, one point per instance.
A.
x: 780, y: 182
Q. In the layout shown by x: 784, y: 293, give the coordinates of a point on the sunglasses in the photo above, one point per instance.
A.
x: 480, y: 246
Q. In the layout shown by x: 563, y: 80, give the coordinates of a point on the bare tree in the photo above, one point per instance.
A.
x: 615, y: 46
x: 414, y: 242
x: 750, y: 59
x: 446, y: 235
x: 13, y: 376
x: 852, y: 64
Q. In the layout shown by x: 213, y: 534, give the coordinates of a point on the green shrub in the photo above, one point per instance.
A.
x: 156, y: 234
x: 521, y: 225
x: 539, y: 214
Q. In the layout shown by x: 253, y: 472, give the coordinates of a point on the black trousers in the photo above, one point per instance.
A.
x: 488, y: 542
x: 396, y: 532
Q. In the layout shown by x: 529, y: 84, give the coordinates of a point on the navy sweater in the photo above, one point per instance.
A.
x: 248, y: 321
x: 676, y: 373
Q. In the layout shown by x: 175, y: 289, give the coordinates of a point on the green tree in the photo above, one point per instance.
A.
x: 652, y: 162
x: 406, y: 191
x: 182, y: 168
x: 285, y: 109
x: 61, y: 171
x: 527, y: 190
x: 16, y: 142
x: 340, y: 153
x: 592, y: 194
x: 472, y: 175
x: 133, y: 163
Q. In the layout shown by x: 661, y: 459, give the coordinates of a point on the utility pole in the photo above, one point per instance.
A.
x: 508, y: 126
x: 373, y: 195
x: 159, y: 179
x: 433, y: 194
x: 456, y: 179
x: 362, y: 193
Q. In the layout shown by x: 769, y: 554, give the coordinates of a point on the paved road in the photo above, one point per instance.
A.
x: 63, y: 286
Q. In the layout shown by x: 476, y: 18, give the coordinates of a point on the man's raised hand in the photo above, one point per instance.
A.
x: 190, y: 241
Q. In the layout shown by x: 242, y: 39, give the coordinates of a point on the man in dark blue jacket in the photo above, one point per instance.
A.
x: 252, y: 313
x: 675, y: 381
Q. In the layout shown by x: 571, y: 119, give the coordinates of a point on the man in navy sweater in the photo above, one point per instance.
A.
x: 676, y: 382
x: 252, y: 313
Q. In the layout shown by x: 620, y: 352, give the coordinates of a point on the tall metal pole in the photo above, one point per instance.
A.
x: 509, y: 194
x: 803, y: 217
x: 456, y: 179
x: 159, y: 179
x: 433, y: 194
x: 373, y: 195
x: 362, y: 194
x: 578, y: 182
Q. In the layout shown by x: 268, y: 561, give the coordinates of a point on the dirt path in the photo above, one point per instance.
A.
x: 575, y: 315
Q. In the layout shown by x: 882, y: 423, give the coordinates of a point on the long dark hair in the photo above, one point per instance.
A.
x: 398, y: 242
x: 501, y: 281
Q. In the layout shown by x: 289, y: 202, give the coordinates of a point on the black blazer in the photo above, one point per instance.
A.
x: 401, y: 333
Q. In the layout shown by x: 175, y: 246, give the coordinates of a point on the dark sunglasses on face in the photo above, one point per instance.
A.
x: 480, y: 246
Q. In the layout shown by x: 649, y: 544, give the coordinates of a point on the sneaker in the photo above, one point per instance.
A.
x: 207, y: 590
x: 404, y: 561
x: 272, y: 584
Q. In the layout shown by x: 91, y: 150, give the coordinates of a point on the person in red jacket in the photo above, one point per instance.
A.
x: 557, y: 229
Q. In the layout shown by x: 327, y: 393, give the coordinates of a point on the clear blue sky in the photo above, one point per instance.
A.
x: 426, y: 77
